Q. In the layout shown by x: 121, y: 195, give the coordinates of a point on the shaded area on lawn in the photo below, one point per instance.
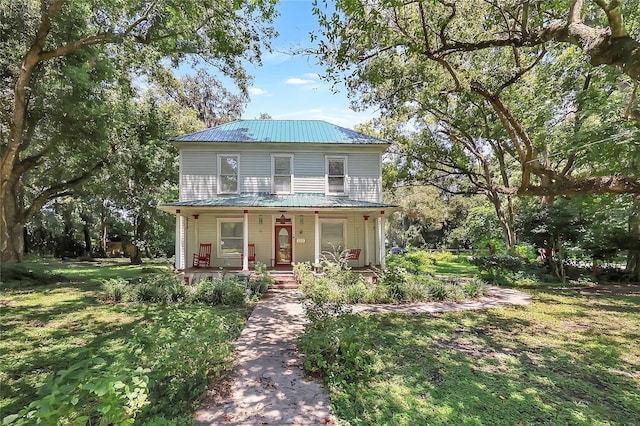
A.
x: 48, y: 328
x: 565, y: 359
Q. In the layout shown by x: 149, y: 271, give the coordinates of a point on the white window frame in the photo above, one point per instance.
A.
x: 343, y: 158
x: 344, y: 233
x: 220, y: 221
x: 220, y: 157
x: 273, y: 172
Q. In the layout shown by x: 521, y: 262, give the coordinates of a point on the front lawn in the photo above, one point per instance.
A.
x: 567, y: 358
x: 48, y: 328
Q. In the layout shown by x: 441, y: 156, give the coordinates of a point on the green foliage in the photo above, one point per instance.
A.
x: 490, y: 367
x: 182, y: 347
x: 303, y: 272
x: 413, y: 262
x: 168, y: 288
x: 393, y: 285
x: 329, y: 350
x: 16, y: 275
x: 88, y: 392
x: 194, y: 348
x: 495, y: 262
x: 217, y: 291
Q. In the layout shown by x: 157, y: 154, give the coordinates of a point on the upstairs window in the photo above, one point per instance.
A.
x: 282, y: 174
x: 228, y: 167
x: 337, y: 175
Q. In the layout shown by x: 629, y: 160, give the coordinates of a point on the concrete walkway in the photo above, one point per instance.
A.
x: 271, y: 387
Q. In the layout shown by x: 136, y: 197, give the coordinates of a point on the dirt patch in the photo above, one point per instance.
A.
x: 632, y: 290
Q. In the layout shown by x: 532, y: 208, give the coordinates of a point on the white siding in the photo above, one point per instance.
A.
x: 309, y: 172
x: 255, y: 171
x: 197, y: 174
x: 364, y: 177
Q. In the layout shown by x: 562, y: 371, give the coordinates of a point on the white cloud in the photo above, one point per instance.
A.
x: 258, y: 91
x: 313, y: 76
x: 298, y: 81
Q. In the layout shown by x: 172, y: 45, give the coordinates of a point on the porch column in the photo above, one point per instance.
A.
x: 316, y: 238
x: 366, y: 241
x: 245, y: 242
x: 383, y: 248
x: 196, y: 240
x: 179, y: 241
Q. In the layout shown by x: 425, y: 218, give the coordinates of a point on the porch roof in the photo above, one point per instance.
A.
x: 266, y: 200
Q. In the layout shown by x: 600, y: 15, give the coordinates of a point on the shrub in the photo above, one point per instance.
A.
x: 303, y: 272
x: 493, y: 262
x: 414, y: 262
x: 218, y: 291
x: 16, y: 275
x: 334, y: 343
x: 438, y: 291
x: 117, y: 289
x: 87, y: 393
x: 475, y: 288
x: 191, y: 351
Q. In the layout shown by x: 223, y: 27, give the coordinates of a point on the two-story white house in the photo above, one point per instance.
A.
x: 279, y: 192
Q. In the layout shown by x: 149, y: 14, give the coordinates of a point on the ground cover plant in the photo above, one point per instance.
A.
x: 571, y: 357
x: 403, y: 281
x: 109, y: 361
x: 435, y: 262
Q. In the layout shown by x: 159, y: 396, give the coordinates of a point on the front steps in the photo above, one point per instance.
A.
x: 283, y: 280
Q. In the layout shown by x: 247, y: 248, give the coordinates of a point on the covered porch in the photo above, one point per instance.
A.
x: 236, y: 231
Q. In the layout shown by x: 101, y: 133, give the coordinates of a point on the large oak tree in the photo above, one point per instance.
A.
x: 65, y: 64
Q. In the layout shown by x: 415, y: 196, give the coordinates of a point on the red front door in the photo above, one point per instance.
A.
x: 283, y: 246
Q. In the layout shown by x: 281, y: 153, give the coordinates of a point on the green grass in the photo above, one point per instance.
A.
x: 566, y: 359
x: 458, y: 265
x: 47, y: 328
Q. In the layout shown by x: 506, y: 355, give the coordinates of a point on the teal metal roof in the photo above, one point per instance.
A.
x: 306, y: 200
x: 282, y: 131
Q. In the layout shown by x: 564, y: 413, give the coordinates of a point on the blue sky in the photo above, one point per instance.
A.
x: 289, y: 87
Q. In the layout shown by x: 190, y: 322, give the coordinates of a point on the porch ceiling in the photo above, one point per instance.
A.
x: 265, y: 200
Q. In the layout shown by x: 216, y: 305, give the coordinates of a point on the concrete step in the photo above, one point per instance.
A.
x: 284, y: 280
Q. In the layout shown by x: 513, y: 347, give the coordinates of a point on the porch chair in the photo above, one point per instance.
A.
x: 202, y: 259
x: 351, y: 254
x: 251, y: 256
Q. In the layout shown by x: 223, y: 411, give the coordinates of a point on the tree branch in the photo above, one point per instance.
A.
x: 59, y: 189
x: 597, y: 185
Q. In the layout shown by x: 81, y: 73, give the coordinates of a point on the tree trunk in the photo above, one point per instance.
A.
x: 508, y: 233
x: 633, y: 255
x: 87, y: 239
x: 11, y: 225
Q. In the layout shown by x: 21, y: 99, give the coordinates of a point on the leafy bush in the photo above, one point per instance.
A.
x: 303, y: 272
x: 195, y: 348
x: 475, y: 288
x: 339, y: 351
x: 219, y: 291
x: 87, y: 393
x: 493, y: 262
x: 394, y: 285
x: 166, y: 288
x: 438, y: 291
x: 510, y: 279
x: 414, y: 261
x: 117, y: 289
